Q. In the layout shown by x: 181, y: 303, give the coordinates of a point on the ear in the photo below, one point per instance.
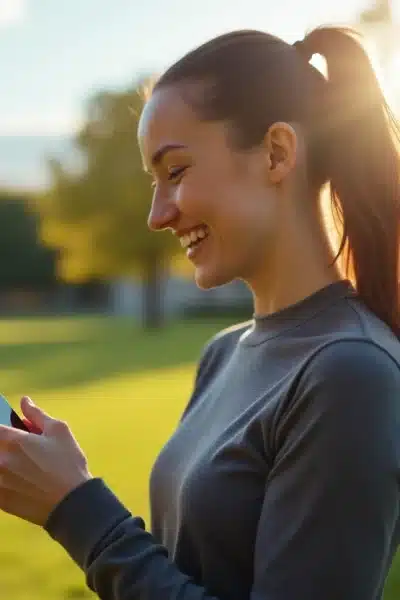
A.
x: 281, y: 148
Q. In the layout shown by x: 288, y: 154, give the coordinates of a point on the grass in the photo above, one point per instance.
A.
x: 122, y: 392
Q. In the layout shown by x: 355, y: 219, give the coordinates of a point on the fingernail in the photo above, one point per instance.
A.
x: 29, y: 401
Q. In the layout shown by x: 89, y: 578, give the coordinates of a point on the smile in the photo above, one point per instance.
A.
x: 194, y: 237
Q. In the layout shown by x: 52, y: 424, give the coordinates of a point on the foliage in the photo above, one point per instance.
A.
x: 97, y: 216
x: 24, y: 261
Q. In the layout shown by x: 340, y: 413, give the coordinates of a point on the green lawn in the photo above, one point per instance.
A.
x: 122, y: 392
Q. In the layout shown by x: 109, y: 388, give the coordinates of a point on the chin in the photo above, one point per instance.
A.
x: 207, y: 279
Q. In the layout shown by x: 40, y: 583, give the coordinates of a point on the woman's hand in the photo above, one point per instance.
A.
x: 38, y: 471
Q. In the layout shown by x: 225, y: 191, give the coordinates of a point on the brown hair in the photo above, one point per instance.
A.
x: 252, y: 79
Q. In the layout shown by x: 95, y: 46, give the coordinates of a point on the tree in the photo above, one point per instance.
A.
x: 97, y: 217
x: 24, y: 261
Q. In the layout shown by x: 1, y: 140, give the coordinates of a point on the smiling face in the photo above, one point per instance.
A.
x: 230, y: 197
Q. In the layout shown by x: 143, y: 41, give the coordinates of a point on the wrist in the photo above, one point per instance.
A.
x: 73, y: 484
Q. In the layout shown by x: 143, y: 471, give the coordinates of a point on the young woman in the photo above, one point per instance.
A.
x: 281, y: 481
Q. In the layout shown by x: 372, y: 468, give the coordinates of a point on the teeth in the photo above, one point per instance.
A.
x: 185, y: 241
x: 193, y: 236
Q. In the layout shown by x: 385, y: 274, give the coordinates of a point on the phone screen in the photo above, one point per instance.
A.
x: 9, y: 417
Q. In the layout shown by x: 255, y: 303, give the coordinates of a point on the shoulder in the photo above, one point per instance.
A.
x: 351, y: 375
x: 225, y: 340
x: 220, y: 347
x: 229, y: 336
x: 214, y: 354
x: 353, y: 357
x: 347, y: 397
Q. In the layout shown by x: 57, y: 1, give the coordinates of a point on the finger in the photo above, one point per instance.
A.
x: 35, y: 415
x: 10, y: 437
x: 31, y: 427
x: 42, y: 421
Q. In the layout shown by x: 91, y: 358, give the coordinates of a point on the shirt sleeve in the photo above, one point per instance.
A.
x: 332, y: 497
x: 330, y: 506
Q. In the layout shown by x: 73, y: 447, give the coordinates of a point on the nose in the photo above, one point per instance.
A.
x: 162, y: 214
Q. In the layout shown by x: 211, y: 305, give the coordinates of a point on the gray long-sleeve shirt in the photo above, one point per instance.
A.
x: 281, y: 481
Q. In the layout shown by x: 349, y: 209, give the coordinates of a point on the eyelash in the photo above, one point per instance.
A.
x: 172, y: 175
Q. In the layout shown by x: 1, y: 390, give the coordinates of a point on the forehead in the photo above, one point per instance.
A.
x: 168, y: 119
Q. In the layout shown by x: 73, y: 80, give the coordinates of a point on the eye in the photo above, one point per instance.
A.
x: 174, y: 174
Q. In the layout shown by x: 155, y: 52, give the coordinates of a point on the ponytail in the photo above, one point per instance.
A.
x: 358, y: 136
x: 352, y: 134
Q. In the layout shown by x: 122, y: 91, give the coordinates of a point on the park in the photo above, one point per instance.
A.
x: 122, y: 392
x: 121, y: 379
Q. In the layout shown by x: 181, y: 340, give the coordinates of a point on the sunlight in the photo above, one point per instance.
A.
x: 387, y: 76
x: 381, y: 41
x: 392, y: 78
x: 11, y: 11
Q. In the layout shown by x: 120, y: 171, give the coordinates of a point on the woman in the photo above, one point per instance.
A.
x: 281, y: 481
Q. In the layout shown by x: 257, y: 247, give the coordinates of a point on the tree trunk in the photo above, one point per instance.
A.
x: 153, y: 298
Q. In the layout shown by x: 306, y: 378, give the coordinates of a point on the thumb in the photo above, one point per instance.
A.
x: 35, y: 415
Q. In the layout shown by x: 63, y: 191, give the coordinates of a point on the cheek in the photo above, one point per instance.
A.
x: 246, y: 212
x: 248, y: 227
x: 187, y: 197
x: 196, y: 199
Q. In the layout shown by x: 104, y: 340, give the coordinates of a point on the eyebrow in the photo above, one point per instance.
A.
x: 161, y: 152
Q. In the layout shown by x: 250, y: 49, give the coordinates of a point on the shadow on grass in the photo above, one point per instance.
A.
x: 76, y: 592
x: 107, y: 346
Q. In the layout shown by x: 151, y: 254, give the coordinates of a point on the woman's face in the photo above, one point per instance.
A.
x: 207, y: 192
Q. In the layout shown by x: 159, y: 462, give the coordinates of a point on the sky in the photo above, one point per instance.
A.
x: 54, y: 54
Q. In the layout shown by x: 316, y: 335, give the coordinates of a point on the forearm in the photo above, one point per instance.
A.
x: 120, y: 559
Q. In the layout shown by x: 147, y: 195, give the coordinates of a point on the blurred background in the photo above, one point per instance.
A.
x: 100, y: 321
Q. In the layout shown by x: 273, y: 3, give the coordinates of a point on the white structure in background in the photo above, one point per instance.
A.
x: 125, y: 297
x: 179, y: 294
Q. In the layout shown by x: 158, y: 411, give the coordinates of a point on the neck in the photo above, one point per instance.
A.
x: 300, y: 266
x: 281, y: 296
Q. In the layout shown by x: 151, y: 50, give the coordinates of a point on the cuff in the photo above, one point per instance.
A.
x: 84, y: 517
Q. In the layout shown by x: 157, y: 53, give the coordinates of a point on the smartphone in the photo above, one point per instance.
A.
x: 9, y: 417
